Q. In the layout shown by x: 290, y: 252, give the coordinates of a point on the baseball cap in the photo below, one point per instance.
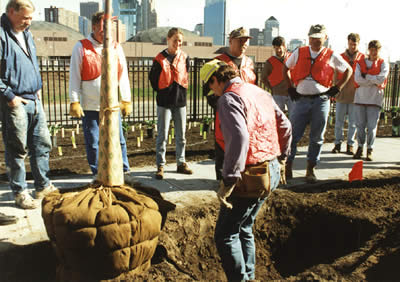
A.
x: 240, y: 32
x: 206, y: 71
x: 317, y: 31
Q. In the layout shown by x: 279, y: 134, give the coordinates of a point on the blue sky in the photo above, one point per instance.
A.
x: 372, y: 19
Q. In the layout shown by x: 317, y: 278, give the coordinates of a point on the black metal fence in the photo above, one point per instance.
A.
x: 55, y: 76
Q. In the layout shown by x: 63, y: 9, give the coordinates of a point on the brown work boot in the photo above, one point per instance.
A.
x: 183, y: 168
x: 369, y: 155
x: 349, y: 150
x: 310, y: 175
x: 160, y: 172
x: 336, y: 149
x: 358, y: 154
x: 289, y: 170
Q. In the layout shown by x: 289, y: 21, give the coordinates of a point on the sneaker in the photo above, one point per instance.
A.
x: 25, y: 201
x: 160, y: 172
x: 349, y: 150
x: 43, y: 193
x: 336, y: 149
x: 7, y: 219
x: 369, y: 155
x: 183, y: 168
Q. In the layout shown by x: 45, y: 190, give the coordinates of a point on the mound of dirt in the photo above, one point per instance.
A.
x: 339, y: 231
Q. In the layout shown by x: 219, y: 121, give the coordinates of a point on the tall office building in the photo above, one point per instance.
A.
x: 271, y: 30
x: 89, y: 8
x: 127, y: 12
x: 147, y: 15
x: 215, y: 21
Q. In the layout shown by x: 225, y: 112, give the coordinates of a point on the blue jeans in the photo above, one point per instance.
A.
x: 164, y: 116
x: 234, y: 232
x: 281, y: 101
x: 314, y: 111
x: 341, y: 111
x: 367, y: 118
x: 90, y: 124
x: 25, y: 133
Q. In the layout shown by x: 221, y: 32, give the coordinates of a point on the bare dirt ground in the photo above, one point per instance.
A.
x: 341, y: 231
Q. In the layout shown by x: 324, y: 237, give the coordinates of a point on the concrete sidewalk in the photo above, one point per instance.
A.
x: 30, y: 228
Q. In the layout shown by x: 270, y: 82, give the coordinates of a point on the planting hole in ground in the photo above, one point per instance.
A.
x: 319, y: 237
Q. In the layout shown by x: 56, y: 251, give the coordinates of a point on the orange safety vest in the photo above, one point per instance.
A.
x: 375, y: 69
x: 261, y: 122
x: 247, y: 74
x: 177, y: 71
x: 246, y: 71
x: 319, y: 68
x: 276, y: 75
x: 353, y: 64
x: 91, y: 62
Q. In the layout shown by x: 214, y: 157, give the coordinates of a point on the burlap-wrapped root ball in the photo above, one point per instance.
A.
x: 102, y: 232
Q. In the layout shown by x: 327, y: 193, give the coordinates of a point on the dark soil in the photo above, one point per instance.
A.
x: 340, y: 231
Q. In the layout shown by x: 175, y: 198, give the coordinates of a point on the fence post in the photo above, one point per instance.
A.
x: 195, y: 87
x: 394, y: 89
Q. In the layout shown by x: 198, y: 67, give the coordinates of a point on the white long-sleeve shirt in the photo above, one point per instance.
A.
x: 88, y: 92
x: 369, y: 93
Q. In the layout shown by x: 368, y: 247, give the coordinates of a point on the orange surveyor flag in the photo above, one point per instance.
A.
x: 356, y: 172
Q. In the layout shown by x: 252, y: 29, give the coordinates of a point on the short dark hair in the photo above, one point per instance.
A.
x: 225, y: 73
x: 174, y: 31
x: 355, y: 37
x: 97, y: 17
x: 278, y: 41
x: 374, y: 44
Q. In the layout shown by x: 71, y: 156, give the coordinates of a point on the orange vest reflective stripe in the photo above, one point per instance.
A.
x: 246, y: 71
x: 177, y: 71
x: 276, y: 75
x: 375, y: 69
x: 260, y: 120
x: 91, y: 62
x: 320, y: 69
x: 353, y: 64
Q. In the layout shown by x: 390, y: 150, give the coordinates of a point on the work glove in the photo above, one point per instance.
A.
x: 282, y: 162
x: 294, y: 96
x: 126, y: 108
x: 75, y: 110
x: 224, y: 192
x: 333, y: 91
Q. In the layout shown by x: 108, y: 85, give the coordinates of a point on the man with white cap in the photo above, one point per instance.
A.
x: 256, y: 135
x: 311, y: 69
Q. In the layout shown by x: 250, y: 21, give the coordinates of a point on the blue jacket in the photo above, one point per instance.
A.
x: 19, y: 72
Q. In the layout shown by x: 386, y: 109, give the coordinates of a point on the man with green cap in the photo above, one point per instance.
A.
x: 256, y: 135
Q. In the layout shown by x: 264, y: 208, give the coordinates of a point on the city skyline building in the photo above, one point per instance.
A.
x: 62, y: 16
x: 271, y: 30
x: 87, y: 9
x: 199, y: 29
x: 127, y: 13
x: 215, y: 21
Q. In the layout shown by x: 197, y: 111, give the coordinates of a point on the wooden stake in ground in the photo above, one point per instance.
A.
x: 110, y: 170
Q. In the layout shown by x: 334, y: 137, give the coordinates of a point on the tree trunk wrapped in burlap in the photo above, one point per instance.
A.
x: 100, y: 233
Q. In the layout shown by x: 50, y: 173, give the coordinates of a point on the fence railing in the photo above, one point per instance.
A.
x: 55, y: 76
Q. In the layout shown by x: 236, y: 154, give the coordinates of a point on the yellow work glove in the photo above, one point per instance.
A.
x: 282, y: 163
x: 126, y: 108
x: 224, y: 192
x: 75, y: 110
